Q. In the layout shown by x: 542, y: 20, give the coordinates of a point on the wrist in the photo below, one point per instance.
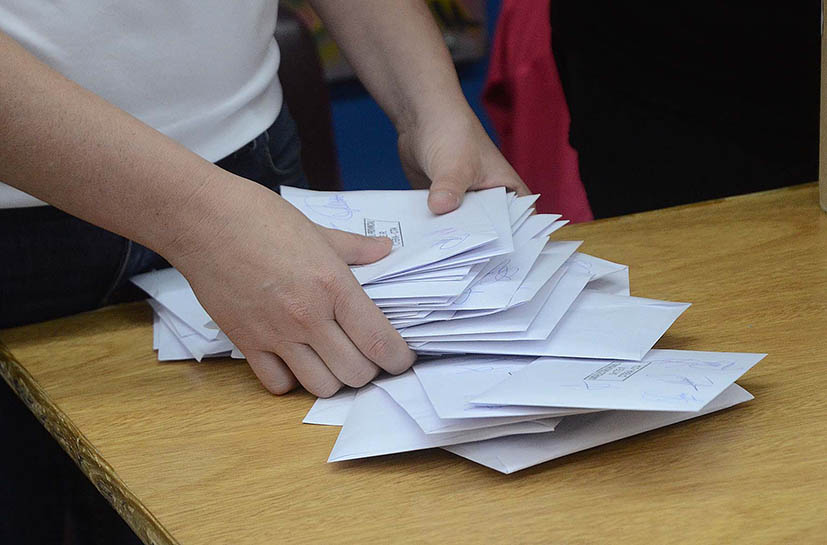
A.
x: 205, y: 221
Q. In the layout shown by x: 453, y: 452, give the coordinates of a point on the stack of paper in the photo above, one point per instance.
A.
x: 484, y: 280
x: 511, y: 413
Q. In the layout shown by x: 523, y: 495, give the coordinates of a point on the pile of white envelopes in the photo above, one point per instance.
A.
x: 550, y: 352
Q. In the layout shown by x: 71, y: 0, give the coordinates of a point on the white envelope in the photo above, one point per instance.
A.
x: 450, y: 382
x: 597, y: 325
x: 376, y: 425
x: 333, y: 410
x: 563, y: 294
x: 433, y: 316
x: 433, y: 267
x: 522, y: 219
x: 500, y: 279
x: 419, y: 237
x: 552, y: 228
x: 451, y: 273
x: 520, y: 207
x: 553, y: 256
x: 407, y: 392
x: 533, y: 226
x: 169, y: 347
x: 156, y: 326
x: 199, y: 347
x: 517, y: 318
x: 577, y: 433
x: 616, y: 283
x: 607, y: 277
x: 171, y: 289
x: 595, y: 266
x: 436, y: 288
x: 665, y: 380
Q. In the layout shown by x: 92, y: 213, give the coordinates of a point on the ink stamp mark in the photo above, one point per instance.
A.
x: 617, y: 371
x: 385, y: 228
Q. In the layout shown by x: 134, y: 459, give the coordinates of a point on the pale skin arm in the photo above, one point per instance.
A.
x: 275, y: 283
x: 399, y: 54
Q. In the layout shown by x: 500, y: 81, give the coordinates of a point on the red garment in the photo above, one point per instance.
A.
x: 525, y: 101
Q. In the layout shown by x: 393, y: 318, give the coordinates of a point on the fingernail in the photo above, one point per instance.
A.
x: 445, y: 197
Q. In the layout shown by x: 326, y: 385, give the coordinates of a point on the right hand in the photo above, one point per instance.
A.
x: 279, y: 287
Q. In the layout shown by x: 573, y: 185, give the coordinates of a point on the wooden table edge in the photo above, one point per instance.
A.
x: 83, y: 453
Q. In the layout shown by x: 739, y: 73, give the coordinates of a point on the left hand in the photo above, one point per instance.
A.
x: 452, y: 155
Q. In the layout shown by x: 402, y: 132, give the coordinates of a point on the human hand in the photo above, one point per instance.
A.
x: 279, y: 287
x: 452, y: 155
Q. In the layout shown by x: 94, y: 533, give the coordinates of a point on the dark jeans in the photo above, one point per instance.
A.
x: 53, y: 265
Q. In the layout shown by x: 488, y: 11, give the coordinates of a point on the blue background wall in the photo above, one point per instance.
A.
x: 365, y: 138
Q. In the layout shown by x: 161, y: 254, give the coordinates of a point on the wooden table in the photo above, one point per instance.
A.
x: 201, y: 454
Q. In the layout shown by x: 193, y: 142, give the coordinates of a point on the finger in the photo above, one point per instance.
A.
x: 356, y: 249
x: 271, y: 371
x: 340, y: 355
x: 449, y: 182
x: 370, y: 331
x: 309, y: 369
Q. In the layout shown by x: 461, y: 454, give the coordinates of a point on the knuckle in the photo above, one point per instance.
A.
x: 359, y: 376
x: 379, y: 347
x: 325, y: 388
x: 328, y: 281
x: 390, y: 355
x: 300, y: 312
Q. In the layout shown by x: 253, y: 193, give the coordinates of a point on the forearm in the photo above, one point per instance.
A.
x: 70, y: 148
x: 399, y: 54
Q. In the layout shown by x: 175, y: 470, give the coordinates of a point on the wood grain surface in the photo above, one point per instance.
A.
x: 201, y: 454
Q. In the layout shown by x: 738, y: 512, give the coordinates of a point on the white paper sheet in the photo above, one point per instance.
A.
x: 419, y: 237
x: 436, y: 288
x: 333, y: 410
x: 199, y: 347
x: 597, y: 325
x: 171, y: 289
x: 552, y: 228
x: 451, y: 273
x: 553, y: 256
x: 595, y: 266
x: 519, y: 206
x: 450, y: 382
x: 577, y: 433
x: 377, y: 425
x: 490, y: 328
x: 517, y: 318
x: 407, y: 392
x: 169, y: 347
x: 156, y: 325
x: 500, y: 279
x: 522, y: 219
x: 665, y: 380
x: 533, y: 226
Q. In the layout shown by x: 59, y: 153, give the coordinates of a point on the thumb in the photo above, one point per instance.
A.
x: 446, y: 194
x: 357, y: 249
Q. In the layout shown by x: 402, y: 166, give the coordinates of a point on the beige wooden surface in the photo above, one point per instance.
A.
x: 201, y: 454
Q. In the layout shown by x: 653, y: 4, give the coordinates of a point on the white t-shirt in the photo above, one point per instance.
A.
x: 203, y: 72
